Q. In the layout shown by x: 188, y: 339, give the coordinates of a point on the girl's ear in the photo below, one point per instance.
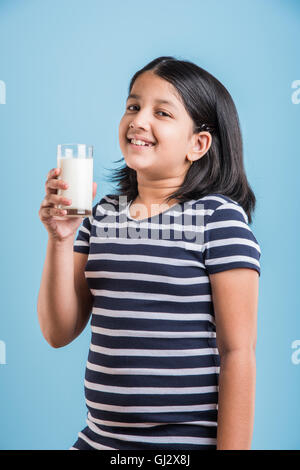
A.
x: 203, y: 142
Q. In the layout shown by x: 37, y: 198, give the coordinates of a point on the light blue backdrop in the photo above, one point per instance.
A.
x: 65, y: 67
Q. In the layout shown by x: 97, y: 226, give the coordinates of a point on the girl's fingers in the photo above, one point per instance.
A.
x: 53, y: 173
x: 54, y: 199
x: 94, y: 189
x: 52, y: 176
x: 48, y: 212
x: 53, y: 184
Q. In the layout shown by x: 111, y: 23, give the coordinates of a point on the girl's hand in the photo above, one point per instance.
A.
x: 59, y: 228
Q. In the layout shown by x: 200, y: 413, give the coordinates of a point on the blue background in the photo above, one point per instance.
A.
x: 67, y: 65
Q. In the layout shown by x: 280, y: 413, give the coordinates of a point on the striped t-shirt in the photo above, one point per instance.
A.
x: 151, y: 379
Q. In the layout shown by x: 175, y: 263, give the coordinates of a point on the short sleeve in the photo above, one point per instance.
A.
x: 229, y: 241
x: 82, y: 242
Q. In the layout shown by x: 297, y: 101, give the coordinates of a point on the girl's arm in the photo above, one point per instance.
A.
x: 235, y: 298
x: 64, y: 301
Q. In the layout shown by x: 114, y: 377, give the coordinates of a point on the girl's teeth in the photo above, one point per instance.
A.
x: 140, y: 142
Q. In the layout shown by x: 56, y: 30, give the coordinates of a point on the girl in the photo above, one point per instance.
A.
x: 169, y: 269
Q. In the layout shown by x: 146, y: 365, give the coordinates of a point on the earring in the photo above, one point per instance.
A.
x: 191, y: 161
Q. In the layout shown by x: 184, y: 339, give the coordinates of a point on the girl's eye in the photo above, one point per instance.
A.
x: 157, y: 111
x: 128, y: 107
x: 163, y: 113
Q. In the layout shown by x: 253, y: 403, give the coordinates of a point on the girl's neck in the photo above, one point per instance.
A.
x: 157, y: 193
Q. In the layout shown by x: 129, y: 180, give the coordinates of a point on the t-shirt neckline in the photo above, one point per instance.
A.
x: 178, y: 204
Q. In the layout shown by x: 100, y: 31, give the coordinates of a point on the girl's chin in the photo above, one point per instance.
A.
x: 136, y: 165
x: 132, y: 160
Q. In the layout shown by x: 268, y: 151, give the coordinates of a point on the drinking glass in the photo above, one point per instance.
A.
x: 76, y: 163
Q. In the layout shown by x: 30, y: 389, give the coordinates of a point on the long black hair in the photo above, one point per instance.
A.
x: 209, y: 104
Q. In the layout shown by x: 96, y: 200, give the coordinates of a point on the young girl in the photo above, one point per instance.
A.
x: 169, y: 269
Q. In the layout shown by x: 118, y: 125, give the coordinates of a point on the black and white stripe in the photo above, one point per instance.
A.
x: 151, y: 378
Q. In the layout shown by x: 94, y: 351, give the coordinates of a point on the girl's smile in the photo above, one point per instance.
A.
x: 139, y: 147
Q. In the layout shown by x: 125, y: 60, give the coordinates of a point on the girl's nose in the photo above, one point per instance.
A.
x: 139, y: 124
x: 141, y: 119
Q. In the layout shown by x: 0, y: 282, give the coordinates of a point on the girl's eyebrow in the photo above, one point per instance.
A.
x: 160, y: 101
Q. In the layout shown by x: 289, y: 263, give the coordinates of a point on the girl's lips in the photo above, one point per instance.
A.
x: 140, y: 146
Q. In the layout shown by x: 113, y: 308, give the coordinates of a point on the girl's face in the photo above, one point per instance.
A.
x: 167, y: 125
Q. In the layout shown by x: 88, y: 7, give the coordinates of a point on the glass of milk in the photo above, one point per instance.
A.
x: 76, y: 163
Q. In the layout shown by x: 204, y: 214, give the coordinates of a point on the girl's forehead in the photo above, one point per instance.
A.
x: 151, y: 80
x: 171, y: 102
x: 156, y: 89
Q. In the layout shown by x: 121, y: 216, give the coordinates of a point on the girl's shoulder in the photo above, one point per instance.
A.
x: 214, y: 204
x: 108, y: 200
x: 110, y: 205
x: 216, y: 199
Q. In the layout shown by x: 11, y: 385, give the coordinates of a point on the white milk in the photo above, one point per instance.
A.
x: 78, y: 173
